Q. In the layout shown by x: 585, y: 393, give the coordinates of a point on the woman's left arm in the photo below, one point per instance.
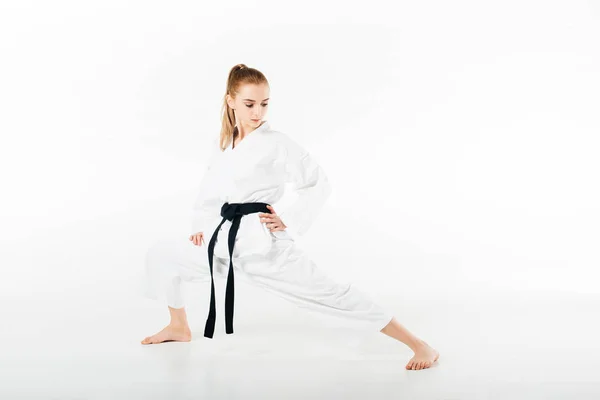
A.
x: 310, y: 183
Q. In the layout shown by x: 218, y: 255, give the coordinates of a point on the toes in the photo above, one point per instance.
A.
x: 417, y: 365
x: 148, y: 340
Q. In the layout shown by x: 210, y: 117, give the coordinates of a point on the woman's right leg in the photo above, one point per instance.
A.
x: 168, y: 263
x: 178, y: 329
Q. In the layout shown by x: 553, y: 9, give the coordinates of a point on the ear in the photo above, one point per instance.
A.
x: 230, y: 101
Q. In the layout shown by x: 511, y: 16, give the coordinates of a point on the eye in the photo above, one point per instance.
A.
x: 250, y: 105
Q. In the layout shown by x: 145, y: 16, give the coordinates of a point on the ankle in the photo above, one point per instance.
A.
x: 416, y: 343
x: 179, y: 325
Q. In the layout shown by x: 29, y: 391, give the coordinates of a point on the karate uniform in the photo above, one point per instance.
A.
x: 256, y: 170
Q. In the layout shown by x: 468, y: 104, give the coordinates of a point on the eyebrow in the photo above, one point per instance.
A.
x: 254, y: 100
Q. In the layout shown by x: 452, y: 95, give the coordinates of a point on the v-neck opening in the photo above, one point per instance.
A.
x: 260, y: 128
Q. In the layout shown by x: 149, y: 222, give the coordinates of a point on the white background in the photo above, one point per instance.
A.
x: 461, y: 139
x: 464, y: 130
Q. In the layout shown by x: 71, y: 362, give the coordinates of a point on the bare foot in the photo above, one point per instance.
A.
x: 170, y: 333
x: 424, y: 356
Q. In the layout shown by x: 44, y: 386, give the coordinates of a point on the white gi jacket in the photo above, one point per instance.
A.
x: 256, y: 170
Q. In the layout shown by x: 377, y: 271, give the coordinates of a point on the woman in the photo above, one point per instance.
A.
x: 246, y: 174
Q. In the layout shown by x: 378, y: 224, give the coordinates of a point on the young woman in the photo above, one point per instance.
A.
x: 245, y: 175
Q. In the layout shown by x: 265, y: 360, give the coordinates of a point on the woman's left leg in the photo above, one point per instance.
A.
x: 424, y: 356
x: 288, y: 272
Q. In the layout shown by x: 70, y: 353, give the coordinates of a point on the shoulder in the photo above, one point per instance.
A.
x: 286, y: 143
x: 275, y: 135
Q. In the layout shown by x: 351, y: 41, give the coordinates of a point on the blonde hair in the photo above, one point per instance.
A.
x: 239, y: 75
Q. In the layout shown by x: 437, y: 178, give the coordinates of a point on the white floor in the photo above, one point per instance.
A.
x: 84, y: 344
x: 71, y: 327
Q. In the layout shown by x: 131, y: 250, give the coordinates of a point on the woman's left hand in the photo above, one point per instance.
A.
x: 274, y: 223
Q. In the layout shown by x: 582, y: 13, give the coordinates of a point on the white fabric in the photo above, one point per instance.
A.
x: 256, y: 171
x: 285, y: 271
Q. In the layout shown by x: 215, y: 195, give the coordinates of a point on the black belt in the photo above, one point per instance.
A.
x: 232, y: 212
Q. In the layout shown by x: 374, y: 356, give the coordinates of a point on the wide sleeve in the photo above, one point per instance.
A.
x: 309, y: 181
x: 207, y: 205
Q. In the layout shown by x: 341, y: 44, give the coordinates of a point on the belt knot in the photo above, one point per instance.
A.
x: 229, y: 211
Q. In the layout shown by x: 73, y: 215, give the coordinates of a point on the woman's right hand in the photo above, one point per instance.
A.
x: 197, y: 238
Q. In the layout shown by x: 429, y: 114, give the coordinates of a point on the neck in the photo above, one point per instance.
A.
x: 244, y: 131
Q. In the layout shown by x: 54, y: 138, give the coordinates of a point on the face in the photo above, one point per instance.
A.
x: 250, y: 105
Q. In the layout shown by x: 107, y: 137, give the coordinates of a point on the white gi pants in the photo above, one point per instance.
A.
x: 285, y: 270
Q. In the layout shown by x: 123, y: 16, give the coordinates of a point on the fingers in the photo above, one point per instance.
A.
x: 267, y: 215
x: 274, y: 227
x: 270, y: 218
x: 272, y: 222
x: 197, y: 239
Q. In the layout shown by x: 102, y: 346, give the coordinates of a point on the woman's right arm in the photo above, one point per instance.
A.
x: 207, y: 205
